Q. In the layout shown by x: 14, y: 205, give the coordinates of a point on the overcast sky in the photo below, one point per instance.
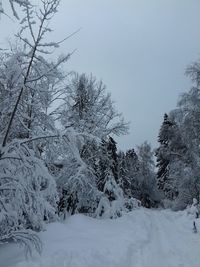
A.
x: 139, y: 48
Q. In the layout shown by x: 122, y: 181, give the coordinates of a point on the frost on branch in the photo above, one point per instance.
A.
x: 90, y: 109
x: 13, y: 3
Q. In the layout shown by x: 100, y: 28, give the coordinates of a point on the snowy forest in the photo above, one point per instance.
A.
x: 58, y: 149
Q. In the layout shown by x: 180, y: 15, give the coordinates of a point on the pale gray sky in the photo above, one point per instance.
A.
x: 139, y: 48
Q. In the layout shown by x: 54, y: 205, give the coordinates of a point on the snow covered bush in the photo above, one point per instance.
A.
x: 111, y: 204
x: 28, y: 193
x: 132, y: 203
x: 75, y: 178
x: 78, y: 188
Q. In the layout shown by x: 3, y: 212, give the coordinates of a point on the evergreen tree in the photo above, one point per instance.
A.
x: 103, y: 166
x: 108, y: 162
x: 122, y: 173
x: 172, y: 159
x: 112, y: 151
x: 162, y: 152
x: 133, y: 174
x: 112, y: 200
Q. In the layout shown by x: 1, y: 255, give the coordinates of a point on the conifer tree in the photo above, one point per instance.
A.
x: 161, y: 152
x: 108, y: 162
x: 133, y: 175
x: 171, y: 159
x: 111, y: 202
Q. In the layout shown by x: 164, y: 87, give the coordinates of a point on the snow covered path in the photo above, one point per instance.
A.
x: 170, y: 242
x: 142, y: 238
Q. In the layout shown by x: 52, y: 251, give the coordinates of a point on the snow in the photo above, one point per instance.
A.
x: 142, y: 238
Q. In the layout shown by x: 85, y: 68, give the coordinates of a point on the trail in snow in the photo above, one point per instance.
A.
x: 142, y: 238
x: 170, y: 242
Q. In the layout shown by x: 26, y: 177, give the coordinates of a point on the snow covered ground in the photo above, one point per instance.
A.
x: 142, y: 238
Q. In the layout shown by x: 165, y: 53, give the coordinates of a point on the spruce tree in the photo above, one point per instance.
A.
x: 171, y: 158
x: 112, y: 201
x: 108, y: 162
x: 161, y: 152
x: 112, y: 151
x: 133, y: 176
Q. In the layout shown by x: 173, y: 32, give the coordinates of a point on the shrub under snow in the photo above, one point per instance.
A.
x: 28, y: 194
